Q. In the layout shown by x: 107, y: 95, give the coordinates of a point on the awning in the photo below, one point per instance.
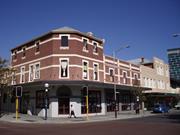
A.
x: 162, y: 94
x: 52, y: 83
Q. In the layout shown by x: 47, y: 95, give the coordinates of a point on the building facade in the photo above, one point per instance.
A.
x: 74, y: 66
x: 155, y: 75
x: 174, y: 64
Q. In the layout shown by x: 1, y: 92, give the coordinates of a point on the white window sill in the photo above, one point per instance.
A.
x: 15, y: 60
x: 64, y: 48
x: 84, y: 50
x: 36, y: 53
x: 31, y: 81
x: 85, y: 78
x: 63, y: 77
x: 95, y: 53
x: 22, y: 82
x: 23, y: 58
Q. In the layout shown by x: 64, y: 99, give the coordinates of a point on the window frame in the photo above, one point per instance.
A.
x: 22, y: 74
x: 63, y: 42
x: 15, y: 55
x: 61, y: 59
x: 113, y: 75
x: 124, y: 78
x: 94, y: 71
x: 35, y: 70
x: 31, y: 65
x: 37, y: 47
x: 95, y: 47
x: 87, y: 69
x: 23, y: 52
x: 13, y: 81
x: 85, y: 47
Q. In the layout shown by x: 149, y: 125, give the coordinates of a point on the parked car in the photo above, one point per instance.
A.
x: 177, y: 106
x: 160, y: 108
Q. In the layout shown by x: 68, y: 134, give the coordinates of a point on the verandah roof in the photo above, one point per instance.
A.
x: 40, y: 85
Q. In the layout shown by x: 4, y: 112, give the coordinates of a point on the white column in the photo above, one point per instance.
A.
x: 53, y: 107
x: 103, y: 104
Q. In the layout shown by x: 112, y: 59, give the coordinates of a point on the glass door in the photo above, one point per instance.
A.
x: 63, y: 105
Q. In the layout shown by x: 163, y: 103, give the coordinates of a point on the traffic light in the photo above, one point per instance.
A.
x: 19, y: 91
x: 85, y: 90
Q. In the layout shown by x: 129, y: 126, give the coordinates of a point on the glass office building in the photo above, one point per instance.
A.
x: 174, y: 63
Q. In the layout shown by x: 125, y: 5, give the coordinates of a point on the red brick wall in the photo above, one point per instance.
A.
x: 53, y: 48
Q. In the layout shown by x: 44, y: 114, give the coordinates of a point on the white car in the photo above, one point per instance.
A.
x: 177, y: 106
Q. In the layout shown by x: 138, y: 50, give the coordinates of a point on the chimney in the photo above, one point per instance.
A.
x: 142, y: 59
x: 89, y: 33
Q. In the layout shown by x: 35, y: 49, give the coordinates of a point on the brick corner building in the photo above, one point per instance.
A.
x: 71, y: 62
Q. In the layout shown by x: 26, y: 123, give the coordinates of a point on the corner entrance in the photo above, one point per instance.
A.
x: 63, y: 94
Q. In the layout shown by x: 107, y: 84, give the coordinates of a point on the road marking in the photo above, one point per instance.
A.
x: 3, y: 127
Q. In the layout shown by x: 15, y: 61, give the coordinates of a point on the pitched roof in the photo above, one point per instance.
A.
x: 65, y: 29
x: 61, y: 30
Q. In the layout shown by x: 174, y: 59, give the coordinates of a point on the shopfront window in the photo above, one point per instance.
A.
x: 110, y: 101
x: 40, y: 99
x: 126, y: 101
x: 94, y: 98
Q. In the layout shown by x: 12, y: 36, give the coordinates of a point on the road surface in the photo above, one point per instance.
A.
x: 154, y: 125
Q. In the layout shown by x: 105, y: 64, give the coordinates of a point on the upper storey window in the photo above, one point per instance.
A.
x: 15, y: 55
x: 37, y: 71
x: 95, y: 48
x: 85, y: 45
x: 125, y: 77
x: 13, y: 82
x: 136, y: 79
x: 95, y: 74
x: 111, y: 73
x: 31, y: 73
x: 24, y: 52
x: 37, y: 47
x: 64, y: 70
x: 85, y: 70
x: 64, y: 41
x: 22, y: 74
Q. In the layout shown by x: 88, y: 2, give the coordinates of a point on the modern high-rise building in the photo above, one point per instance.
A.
x: 174, y: 63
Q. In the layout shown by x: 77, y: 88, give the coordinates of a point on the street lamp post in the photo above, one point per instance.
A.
x: 46, y: 85
x: 115, y: 92
x: 85, y: 90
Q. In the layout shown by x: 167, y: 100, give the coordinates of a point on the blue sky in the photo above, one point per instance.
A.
x: 146, y: 25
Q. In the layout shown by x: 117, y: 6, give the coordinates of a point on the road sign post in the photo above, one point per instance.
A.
x: 18, y: 94
x: 17, y: 108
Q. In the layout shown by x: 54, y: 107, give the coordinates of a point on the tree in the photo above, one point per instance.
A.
x: 139, y: 93
x: 6, y: 73
x: 6, y: 76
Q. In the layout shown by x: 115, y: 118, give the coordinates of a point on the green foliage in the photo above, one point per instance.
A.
x: 5, y: 73
x: 139, y: 92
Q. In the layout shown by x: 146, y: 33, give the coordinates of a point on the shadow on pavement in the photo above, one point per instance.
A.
x: 3, y: 113
x: 174, y: 118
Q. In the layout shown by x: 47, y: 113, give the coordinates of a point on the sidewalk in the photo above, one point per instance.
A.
x: 24, y: 118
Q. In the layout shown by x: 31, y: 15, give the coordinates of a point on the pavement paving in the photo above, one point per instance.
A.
x: 24, y: 118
